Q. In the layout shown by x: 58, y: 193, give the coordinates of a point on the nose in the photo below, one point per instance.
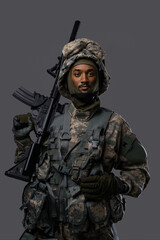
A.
x: 84, y: 78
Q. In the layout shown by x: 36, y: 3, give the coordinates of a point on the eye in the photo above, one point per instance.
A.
x: 76, y: 74
x: 91, y: 74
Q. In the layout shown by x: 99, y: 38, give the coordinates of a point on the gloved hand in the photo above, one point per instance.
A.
x: 22, y: 125
x: 102, y: 187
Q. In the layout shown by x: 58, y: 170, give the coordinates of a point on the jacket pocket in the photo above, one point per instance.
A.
x: 33, y: 202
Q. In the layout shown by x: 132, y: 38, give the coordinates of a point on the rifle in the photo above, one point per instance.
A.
x: 47, y: 108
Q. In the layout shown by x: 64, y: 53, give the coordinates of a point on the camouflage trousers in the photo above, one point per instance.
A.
x: 63, y: 233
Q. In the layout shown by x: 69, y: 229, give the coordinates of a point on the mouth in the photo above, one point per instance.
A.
x: 84, y: 87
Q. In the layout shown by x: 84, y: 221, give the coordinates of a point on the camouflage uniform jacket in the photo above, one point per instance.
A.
x: 119, y: 141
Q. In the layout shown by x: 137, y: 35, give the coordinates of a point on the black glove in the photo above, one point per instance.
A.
x: 102, y: 187
x: 22, y: 125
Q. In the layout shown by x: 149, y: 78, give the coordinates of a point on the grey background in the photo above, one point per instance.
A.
x: 32, y: 34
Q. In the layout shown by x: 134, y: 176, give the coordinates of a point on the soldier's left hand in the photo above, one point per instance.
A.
x: 101, y: 187
x: 22, y: 125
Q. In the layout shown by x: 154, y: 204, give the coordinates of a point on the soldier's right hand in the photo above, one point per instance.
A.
x: 22, y: 125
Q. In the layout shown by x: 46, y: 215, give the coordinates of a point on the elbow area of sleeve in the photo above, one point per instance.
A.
x: 137, y: 154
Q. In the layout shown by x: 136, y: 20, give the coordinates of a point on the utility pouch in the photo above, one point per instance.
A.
x: 77, y: 211
x: 81, y: 213
x: 77, y: 214
x: 33, y: 202
x: 117, y: 207
x: 98, y: 213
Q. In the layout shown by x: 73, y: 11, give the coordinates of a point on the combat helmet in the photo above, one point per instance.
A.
x: 75, y: 50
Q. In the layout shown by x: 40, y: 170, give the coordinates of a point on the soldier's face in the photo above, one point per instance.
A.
x: 83, y: 77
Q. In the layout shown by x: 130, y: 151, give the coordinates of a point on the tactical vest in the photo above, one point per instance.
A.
x: 85, y: 154
x: 62, y: 169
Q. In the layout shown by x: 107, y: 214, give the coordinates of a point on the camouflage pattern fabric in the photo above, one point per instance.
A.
x: 32, y: 203
x: 63, y: 233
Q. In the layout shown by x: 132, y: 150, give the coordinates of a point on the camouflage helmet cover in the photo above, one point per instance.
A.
x: 82, y: 48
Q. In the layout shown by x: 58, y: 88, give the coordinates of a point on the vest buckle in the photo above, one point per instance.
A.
x: 95, y: 144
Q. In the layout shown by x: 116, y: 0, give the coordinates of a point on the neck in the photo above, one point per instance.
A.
x: 83, y: 106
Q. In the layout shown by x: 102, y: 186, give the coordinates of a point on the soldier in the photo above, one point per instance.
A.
x: 74, y: 194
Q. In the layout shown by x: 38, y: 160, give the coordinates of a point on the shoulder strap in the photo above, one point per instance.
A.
x: 100, y: 119
x: 98, y: 124
x: 65, y: 137
x: 59, y: 130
